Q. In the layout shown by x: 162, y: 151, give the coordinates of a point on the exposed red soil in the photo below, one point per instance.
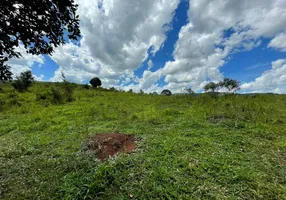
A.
x: 109, y: 144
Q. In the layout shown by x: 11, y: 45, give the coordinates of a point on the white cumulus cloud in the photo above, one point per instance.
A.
x: 279, y: 42
x: 116, y: 37
x: 273, y: 80
x: 25, y: 62
x: 216, y: 30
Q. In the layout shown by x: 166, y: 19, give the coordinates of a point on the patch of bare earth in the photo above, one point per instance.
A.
x: 109, y: 144
x: 283, y: 159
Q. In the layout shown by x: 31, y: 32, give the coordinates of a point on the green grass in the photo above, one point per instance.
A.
x: 191, y: 147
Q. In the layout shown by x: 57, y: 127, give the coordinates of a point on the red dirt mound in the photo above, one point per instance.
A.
x: 108, y: 144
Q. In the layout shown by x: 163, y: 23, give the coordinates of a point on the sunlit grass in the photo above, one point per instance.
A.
x: 191, y: 147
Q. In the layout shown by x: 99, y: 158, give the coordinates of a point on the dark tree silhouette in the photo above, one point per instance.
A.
x: 5, y: 73
x: 189, y: 90
x: 38, y: 25
x: 230, y: 84
x: 166, y: 93
x: 23, y: 81
x: 211, y: 87
x: 95, y: 82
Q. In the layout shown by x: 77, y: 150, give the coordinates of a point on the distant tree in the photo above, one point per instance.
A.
x: 37, y: 25
x: 23, y: 81
x: 113, y: 89
x: 154, y: 93
x: 95, y: 82
x: 166, y: 93
x: 211, y: 87
x: 230, y: 85
x: 189, y: 90
x: 141, y: 92
x: 130, y: 91
x: 85, y: 86
x: 5, y: 73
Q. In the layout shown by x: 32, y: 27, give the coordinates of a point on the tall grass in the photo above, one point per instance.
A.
x: 191, y: 147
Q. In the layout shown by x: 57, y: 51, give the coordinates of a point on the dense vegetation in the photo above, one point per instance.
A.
x: 192, y: 146
x: 36, y: 25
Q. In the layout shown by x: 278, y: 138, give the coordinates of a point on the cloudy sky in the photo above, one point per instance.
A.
x: 172, y: 44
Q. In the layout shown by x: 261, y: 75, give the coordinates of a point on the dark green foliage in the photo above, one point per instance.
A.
x: 113, y: 89
x: 23, y: 81
x: 230, y: 85
x: 189, y: 91
x: 57, y: 95
x: 36, y: 24
x: 5, y: 73
x: 39, y: 25
x: 95, y: 82
x: 166, y: 93
x: 68, y: 89
x: 86, y: 86
x: 211, y: 87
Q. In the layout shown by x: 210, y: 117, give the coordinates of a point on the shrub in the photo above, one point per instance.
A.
x: 95, y: 82
x: 13, y: 98
x: 166, y: 93
x: 113, y: 89
x: 68, y: 89
x: 23, y: 81
x: 57, y: 96
x: 86, y: 86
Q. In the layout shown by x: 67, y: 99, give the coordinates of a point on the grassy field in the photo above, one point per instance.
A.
x: 191, y: 147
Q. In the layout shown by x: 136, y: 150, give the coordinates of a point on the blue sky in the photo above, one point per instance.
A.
x: 154, y: 45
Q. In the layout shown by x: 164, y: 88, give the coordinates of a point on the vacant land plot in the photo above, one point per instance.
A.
x: 187, y: 147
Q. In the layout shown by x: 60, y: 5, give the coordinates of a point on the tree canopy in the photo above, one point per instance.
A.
x: 230, y: 85
x: 38, y: 25
x: 23, y: 81
x: 5, y: 73
x: 95, y: 82
x: 166, y: 93
x: 210, y: 87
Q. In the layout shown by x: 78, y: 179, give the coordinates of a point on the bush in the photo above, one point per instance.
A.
x: 95, y: 82
x: 23, y: 81
x: 166, y: 93
x: 86, y: 86
x: 57, y: 95
x: 68, y: 89
x: 13, y: 99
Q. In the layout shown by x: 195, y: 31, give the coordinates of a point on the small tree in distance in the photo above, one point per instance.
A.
x: 189, y: 90
x: 230, y: 85
x: 95, y: 82
x: 23, y: 81
x: 166, y: 93
x: 211, y: 87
